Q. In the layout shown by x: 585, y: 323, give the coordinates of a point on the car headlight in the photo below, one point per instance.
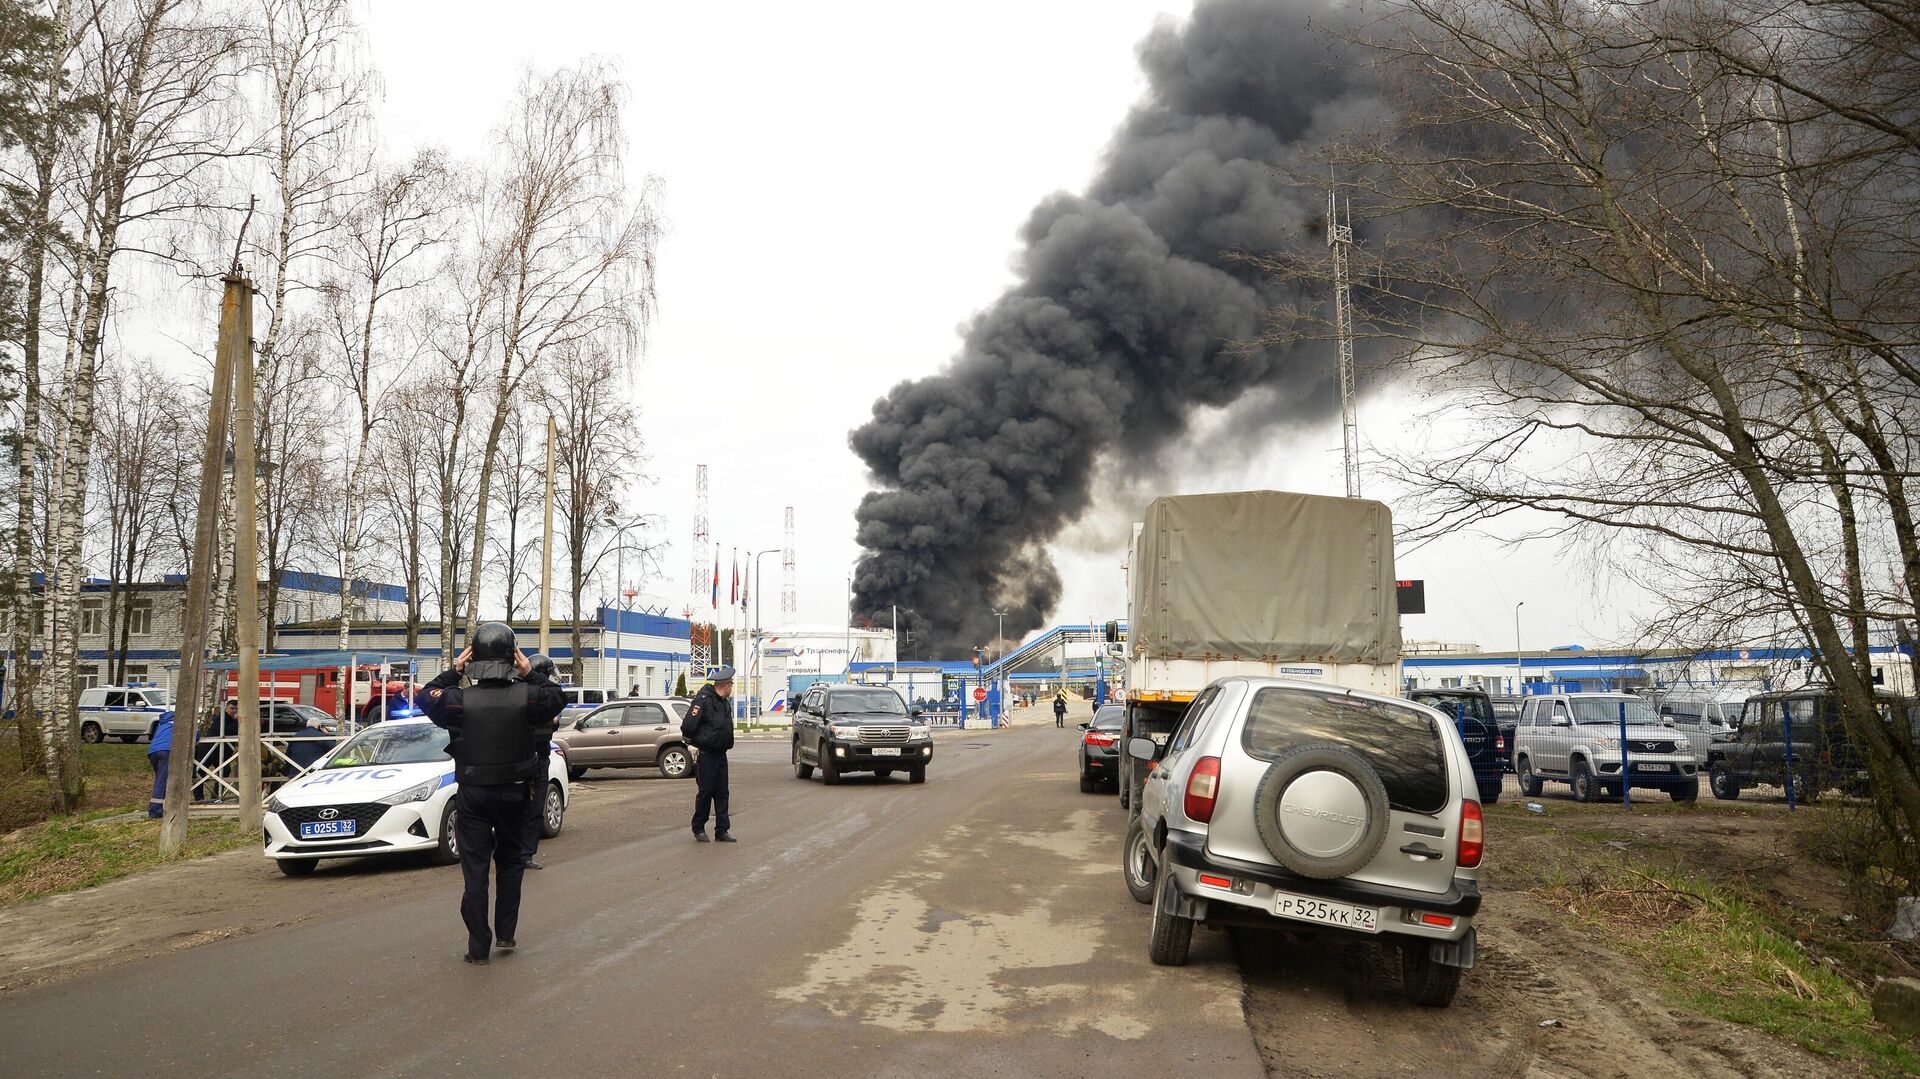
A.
x: 419, y: 792
x: 275, y: 805
x: 919, y: 730
x: 1606, y: 741
x: 839, y: 731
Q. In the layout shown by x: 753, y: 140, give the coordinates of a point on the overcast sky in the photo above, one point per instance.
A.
x: 843, y: 183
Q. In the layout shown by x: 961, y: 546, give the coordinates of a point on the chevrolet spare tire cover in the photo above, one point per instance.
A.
x: 1322, y: 810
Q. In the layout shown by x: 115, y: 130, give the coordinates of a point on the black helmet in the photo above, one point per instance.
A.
x: 543, y: 664
x: 493, y: 646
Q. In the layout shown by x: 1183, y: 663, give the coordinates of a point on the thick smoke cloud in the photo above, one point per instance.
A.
x: 1132, y: 312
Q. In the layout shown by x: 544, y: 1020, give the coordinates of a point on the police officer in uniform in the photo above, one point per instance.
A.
x: 543, y: 665
x: 709, y: 726
x: 492, y: 724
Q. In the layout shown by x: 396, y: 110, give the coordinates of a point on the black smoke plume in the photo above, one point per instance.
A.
x: 1132, y: 312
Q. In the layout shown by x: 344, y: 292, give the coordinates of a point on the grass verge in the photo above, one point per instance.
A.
x: 1723, y: 954
x: 118, y: 779
x: 67, y: 853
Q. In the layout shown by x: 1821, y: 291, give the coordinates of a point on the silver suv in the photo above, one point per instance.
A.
x: 1299, y: 805
x: 1576, y: 738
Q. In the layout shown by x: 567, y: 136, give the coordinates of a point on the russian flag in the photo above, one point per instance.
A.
x: 779, y: 701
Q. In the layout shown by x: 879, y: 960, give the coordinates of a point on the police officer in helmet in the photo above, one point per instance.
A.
x: 709, y: 726
x: 494, y: 724
x: 543, y: 665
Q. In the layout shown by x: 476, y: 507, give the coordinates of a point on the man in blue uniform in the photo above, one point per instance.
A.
x: 492, y: 723
x: 159, y: 748
x: 709, y: 726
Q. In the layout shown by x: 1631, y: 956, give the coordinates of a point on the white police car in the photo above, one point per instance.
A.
x: 387, y: 790
x: 124, y: 712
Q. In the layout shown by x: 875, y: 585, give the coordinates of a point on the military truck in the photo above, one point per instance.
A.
x: 1262, y: 583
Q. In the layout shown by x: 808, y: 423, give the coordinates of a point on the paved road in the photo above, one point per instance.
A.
x: 971, y: 926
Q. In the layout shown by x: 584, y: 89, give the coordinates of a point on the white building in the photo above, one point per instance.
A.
x: 810, y: 653
x: 143, y: 620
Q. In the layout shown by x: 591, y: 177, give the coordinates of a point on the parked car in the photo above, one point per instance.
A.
x: 1303, y: 806
x: 853, y: 728
x: 128, y: 713
x: 1100, y: 749
x: 1575, y: 738
x: 1506, y: 716
x: 297, y: 716
x: 387, y: 790
x: 581, y: 700
x: 1472, y: 713
x: 1823, y: 757
x: 628, y: 734
x: 1713, y: 720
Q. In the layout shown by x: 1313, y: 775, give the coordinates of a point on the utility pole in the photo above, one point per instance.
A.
x: 246, y: 564
x: 1340, y: 240
x: 701, y: 648
x: 546, y: 552
x: 895, y: 676
x: 1519, y: 677
x: 206, y: 536
x: 755, y: 661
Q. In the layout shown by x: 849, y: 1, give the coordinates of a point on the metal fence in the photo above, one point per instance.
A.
x: 216, y: 764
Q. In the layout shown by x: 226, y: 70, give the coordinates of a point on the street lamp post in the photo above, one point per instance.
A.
x: 1001, y: 639
x: 1519, y: 676
x: 619, y: 610
x: 753, y: 638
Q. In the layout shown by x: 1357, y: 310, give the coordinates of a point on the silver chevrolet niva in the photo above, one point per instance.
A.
x: 1303, y: 806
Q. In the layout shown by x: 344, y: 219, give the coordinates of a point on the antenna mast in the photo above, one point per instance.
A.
x: 789, y: 589
x: 1340, y: 240
x: 700, y: 644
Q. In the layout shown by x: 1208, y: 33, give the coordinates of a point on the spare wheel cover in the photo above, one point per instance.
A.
x: 1322, y: 811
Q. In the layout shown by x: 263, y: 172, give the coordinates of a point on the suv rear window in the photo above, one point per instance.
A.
x: 1402, y: 745
x: 1468, y: 705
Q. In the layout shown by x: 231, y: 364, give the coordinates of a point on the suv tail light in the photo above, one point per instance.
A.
x: 1472, y: 835
x: 1100, y: 738
x: 1202, y: 787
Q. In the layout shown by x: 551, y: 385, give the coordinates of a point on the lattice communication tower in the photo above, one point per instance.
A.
x: 1340, y: 239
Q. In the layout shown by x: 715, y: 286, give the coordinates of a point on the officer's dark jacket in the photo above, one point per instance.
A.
x: 709, y: 723
x: 495, y: 727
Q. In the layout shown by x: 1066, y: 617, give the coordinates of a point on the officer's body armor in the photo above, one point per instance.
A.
x: 496, y: 741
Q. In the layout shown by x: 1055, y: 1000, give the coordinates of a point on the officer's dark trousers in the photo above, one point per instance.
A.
x: 536, y: 812
x: 158, y: 762
x: 491, y: 822
x: 710, y: 772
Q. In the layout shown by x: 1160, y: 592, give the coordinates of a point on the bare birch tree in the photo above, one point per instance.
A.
x: 381, y: 250
x: 1663, y: 306
x: 569, y: 249
x: 159, y: 68
x: 313, y: 96
x: 597, y: 455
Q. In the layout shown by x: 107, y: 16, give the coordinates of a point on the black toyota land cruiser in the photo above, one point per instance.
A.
x: 853, y: 728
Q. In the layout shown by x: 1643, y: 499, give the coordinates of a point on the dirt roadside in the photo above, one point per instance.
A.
x: 1550, y: 996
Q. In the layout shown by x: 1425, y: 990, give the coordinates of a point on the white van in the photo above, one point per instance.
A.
x: 125, y: 712
x: 1714, y: 720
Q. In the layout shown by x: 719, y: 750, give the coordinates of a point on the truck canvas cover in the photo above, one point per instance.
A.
x: 1265, y: 575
